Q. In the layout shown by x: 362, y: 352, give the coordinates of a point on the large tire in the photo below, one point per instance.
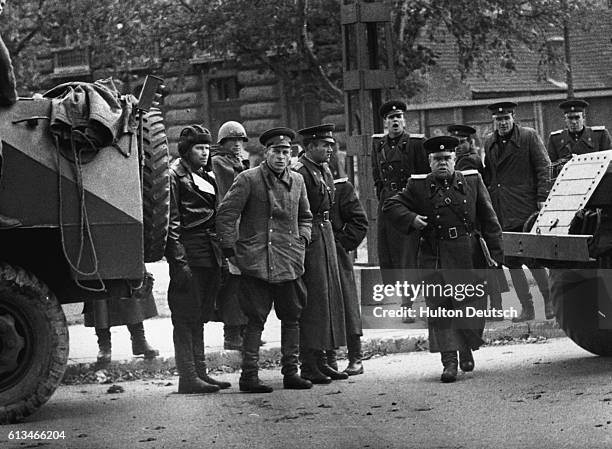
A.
x: 581, y: 302
x: 33, y: 344
x: 155, y: 186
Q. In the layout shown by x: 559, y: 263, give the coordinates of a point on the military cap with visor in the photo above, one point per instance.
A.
x: 461, y: 130
x: 573, y: 105
x: 502, y: 107
x: 391, y: 107
x: 277, y: 137
x: 320, y: 132
x: 440, y: 144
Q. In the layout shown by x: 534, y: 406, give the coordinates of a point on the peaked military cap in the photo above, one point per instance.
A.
x: 574, y: 105
x: 277, y: 137
x: 392, y: 106
x: 461, y: 130
x: 440, y: 143
x: 323, y: 132
x: 502, y: 107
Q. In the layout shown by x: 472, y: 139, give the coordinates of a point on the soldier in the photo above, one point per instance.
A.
x: 227, y: 163
x: 516, y: 174
x: 576, y: 138
x: 394, y: 158
x: 350, y: 224
x: 275, y: 226
x: 447, y: 207
x: 467, y: 153
x: 8, y: 96
x: 322, y: 324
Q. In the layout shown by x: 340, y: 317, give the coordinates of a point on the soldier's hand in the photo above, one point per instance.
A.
x: 420, y: 221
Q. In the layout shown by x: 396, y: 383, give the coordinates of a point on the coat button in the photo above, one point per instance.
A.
x: 498, y: 185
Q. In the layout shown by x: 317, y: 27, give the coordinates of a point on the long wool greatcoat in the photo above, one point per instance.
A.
x: 350, y: 224
x: 517, y: 175
x: 449, y: 246
x: 322, y: 322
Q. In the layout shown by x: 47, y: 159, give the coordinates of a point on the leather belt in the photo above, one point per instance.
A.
x: 321, y: 216
x: 452, y: 233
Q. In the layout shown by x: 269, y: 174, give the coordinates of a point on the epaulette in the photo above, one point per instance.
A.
x: 378, y: 136
x: 297, y: 165
x: 417, y: 136
x: 421, y: 176
x: 470, y: 172
x: 554, y: 133
x: 598, y: 128
x: 340, y: 180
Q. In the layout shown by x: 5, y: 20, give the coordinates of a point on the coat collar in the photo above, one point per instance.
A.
x: 457, y: 183
x: 270, y: 176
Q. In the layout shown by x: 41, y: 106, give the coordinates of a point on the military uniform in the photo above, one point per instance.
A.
x: 562, y: 144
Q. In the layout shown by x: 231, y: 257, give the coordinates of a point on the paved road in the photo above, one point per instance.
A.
x: 549, y: 395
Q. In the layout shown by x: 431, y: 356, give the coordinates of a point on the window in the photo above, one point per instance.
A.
x: 224, y: 89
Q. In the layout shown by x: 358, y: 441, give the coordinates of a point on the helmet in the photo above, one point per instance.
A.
x: 231, y: 130
x: 192, y: 135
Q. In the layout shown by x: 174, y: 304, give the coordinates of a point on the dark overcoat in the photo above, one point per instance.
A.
x: 350, y: 224
x: 516, y: 175
x: 322, y: 322
x: 457, y: 211
x: 393, y: 162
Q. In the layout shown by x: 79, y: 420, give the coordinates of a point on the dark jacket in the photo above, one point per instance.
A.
x: 561, y: 145
x: 350, y: 225
x: 274, y: 214
x: 458, y: 210
x: 469, y: 159
x: 395, y: 160
x: 518, y: 178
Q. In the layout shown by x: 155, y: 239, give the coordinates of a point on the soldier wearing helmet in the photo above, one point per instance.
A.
x: 227, y: 163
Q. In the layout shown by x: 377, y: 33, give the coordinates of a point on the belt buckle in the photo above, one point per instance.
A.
x: 393, y: 186
x: 452, y: 233
x: 326, y: 215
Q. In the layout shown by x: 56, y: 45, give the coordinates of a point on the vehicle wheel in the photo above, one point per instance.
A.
x: 33, y: 344
x: 582, y: 302
x: 155, y: 186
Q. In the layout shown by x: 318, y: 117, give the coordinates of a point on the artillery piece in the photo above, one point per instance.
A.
x: 88, y: 225
x: 572, y: 235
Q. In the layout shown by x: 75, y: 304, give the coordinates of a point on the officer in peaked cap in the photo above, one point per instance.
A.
x: 575, y: 138
x: 516, y: 153
x: 450, y: 209
x: 396, y: 155
x: 322, y: 326
x: 274, y: 137
x: 468, y: 157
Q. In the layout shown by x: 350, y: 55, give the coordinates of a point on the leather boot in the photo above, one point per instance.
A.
x: 9, y: 222
x: 495, y: 303
x: 407, y: 319
x: 355, y: 356
x: 466, y: 360
x: 541, y: 277
x: 199, y: 358
x: 232, y: 338
x: 310, y: 369
x: 290, y: 343
x: 189, y: 382
x: 104, y: 346
x: 328, y: 365
x: 549, y: 309
x: 249, y: 378
x: 449, y: 361
x: 527, y: 312
x: 140, y: 346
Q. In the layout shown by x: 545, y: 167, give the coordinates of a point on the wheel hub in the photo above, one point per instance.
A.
x: 11, y: 344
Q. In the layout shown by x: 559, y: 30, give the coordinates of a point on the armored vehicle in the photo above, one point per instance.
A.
x: 87, y: 180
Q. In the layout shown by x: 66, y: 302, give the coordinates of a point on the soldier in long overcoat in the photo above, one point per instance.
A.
x: 350, y: 224
x: 322, y: 326
x: 517, y: 176
x: 452, y: 210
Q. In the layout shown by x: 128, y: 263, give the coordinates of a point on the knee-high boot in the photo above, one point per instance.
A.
x: 104, y: 345
x: 310, y: 366
x: 199, y: 357
x: 189, y: 382
x: 140, y: 346
x: 290, y: 343
x: 249, y: 378
x: 328, y: 365
x: 355, y: 356
x: 449, y: 361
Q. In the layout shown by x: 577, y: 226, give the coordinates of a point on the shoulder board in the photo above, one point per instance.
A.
x: 297, y: 165
x: 554, y: 133
x: 417, y: 136
x: 340, y: 180
x: 421, y: 176
x: 598, y: 128
x: 378, y: 136
x: 469, y: 172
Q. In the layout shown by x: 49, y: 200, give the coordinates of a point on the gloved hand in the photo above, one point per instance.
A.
x: 181, y: 276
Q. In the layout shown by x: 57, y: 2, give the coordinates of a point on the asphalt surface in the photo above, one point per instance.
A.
x: 543, y: 395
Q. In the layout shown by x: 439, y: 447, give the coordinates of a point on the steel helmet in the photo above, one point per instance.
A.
x: 232, y: 130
